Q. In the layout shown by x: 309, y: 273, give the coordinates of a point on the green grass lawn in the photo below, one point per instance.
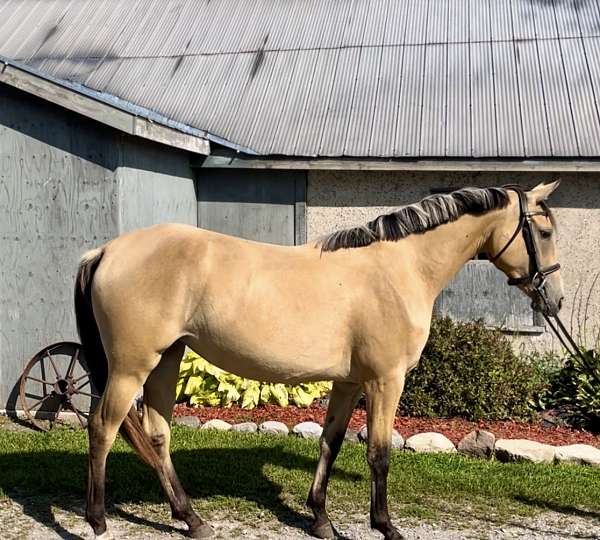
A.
x: 250, y: 473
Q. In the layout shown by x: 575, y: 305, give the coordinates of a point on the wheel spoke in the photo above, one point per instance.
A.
x: 72, y: 363
x: 31, y: 407
x: 59, y: 410
x: 79, y: 414
x: 49, y: 356
x: 86, y: 374
x: 34, y: 396
x: 43, y: 371
x: 39, y: 380
x: 88, y: 394
x: 82, y: 386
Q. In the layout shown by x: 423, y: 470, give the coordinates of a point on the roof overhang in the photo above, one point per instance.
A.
x: 237, y: 161
x: 104, y: 108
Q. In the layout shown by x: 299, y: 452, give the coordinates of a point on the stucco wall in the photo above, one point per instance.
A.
x: 337, y: 199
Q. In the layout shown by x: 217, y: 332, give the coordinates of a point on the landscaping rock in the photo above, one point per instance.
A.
x: 351, y: 436
x: 478, y: 443
x: 189, y: 421
x: 221, y: 425
x: 273, y: 428
x: 582, y: 454
x: 307, y: 430
x: 245, y: 427
x: 553, y: 418
x: 397, y: 439
x: 429, y: 443
x: 524, y: 450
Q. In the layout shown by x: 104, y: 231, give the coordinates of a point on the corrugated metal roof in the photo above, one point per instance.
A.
x: 362, y: 78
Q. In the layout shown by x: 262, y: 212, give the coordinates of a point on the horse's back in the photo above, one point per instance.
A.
x: 260, y: 310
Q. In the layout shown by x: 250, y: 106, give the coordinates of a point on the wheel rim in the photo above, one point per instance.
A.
x: 56, y: 379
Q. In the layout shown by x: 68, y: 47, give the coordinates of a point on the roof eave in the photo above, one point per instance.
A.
x: 104, y: 108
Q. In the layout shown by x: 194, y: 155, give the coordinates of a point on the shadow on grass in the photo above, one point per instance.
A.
x: 59, y: 481
x: 542, y: 528
x: 265, y: 474
x: 559, y: 508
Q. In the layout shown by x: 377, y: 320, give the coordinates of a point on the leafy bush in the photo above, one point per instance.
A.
x: 575, y: 391
x: 201, y: 383
x: 471, y: 371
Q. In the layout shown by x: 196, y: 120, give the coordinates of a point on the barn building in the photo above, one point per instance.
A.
x: 281, y: 121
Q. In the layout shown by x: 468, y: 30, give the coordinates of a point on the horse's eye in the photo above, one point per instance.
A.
x: 546, y: 234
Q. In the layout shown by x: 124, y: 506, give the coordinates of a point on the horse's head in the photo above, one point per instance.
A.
x: 523, y: 246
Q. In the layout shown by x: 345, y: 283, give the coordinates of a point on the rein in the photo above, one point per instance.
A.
x: 538, y: 275
x: 569, y: 343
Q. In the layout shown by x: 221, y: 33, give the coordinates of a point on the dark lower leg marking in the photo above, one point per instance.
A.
x: 318, y: 493
x: 94, y: 512
x: 342, y: 400
x: 181, y: 508
x: 379, y: 459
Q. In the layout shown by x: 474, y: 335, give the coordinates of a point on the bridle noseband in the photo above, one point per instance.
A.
x: 537, y: 273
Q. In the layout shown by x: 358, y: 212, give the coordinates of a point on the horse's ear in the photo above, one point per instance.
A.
x: 542, y: 191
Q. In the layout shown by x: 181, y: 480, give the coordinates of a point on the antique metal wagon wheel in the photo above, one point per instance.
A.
x: 57, y: 379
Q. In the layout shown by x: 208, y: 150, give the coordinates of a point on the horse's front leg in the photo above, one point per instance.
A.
x: 383, y: 395
x: 342, y: 400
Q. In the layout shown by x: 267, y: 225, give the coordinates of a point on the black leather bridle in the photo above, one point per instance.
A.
x: 538, y: 275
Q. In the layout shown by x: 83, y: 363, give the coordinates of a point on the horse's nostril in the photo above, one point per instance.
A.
x: 560, y: 302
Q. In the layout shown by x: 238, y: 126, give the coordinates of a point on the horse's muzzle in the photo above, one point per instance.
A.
x: 543, y: 304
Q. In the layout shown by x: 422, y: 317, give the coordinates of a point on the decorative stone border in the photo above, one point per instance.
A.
x: 478, y: 443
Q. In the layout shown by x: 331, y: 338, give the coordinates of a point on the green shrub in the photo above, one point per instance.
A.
x: 575, y: 391
x: 201, y: 383
x: 470, y: 371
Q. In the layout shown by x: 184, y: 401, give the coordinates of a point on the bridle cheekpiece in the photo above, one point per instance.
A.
x: 537, y: 273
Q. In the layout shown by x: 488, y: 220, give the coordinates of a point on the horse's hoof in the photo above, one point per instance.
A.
x: 322, y: 530
x: 394, y: 535
x: 202, y: 531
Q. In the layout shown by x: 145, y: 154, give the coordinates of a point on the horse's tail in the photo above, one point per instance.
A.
x: 89, y: 334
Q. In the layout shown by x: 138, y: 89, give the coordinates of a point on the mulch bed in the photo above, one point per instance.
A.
x: 453, y: 428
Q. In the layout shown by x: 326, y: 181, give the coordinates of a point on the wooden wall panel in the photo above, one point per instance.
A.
x: 156, y: 185
x: 57, y: 199
x: 68, y: 184
x: 266, y: 206
x: 480, y: 291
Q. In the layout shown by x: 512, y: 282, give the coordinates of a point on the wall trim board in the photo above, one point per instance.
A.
x: 237, y: 162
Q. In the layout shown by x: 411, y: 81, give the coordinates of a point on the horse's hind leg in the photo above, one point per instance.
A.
x: 159, y: 398
x: 382, y: 400
x: 342, y: 400
x: 103, y: 426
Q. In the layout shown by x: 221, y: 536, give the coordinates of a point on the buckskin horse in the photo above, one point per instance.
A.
x: 355, y: 308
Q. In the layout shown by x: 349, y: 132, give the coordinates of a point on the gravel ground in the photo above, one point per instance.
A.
x: 40, y: 519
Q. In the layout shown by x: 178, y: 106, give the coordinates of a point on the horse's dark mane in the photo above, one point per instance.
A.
x: 419, y: 217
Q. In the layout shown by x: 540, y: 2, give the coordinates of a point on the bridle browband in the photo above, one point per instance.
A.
x: 538, y: 275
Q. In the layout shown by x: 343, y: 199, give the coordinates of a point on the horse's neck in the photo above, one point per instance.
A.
x: 443, y: 251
